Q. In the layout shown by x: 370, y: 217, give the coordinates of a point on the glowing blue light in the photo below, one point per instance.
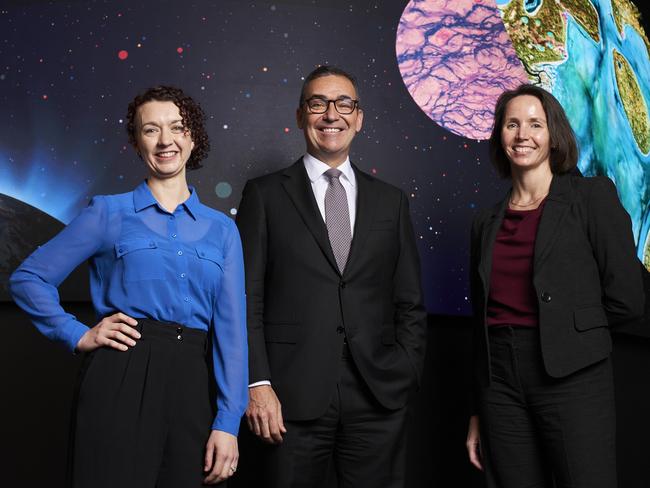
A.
x: 52, y: 190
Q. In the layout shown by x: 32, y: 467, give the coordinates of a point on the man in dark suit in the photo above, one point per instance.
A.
x: 336, y: 325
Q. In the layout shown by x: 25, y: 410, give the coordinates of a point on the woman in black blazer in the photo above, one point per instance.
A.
x: 553, y: 266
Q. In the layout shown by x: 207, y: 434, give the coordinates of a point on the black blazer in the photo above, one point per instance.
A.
x: 299, y: 304
x: 586, y: 274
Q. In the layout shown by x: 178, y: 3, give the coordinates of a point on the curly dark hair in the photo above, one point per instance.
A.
x: 191, y: 113
x: 564, y: 147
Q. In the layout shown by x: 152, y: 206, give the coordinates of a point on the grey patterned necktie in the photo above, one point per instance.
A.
x: 337, y: 218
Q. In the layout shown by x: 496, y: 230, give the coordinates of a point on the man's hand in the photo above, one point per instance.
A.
x: 114, y: 331
x: 264, y: 414
x: 473, y: 443
x: 221, y: 457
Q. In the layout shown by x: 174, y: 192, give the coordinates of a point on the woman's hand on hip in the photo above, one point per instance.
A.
x: 116, y: 331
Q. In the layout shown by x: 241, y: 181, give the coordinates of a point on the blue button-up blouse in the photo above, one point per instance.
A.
x: 184, y: 267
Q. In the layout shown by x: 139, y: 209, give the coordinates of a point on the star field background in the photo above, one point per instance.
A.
x: 69, y: 69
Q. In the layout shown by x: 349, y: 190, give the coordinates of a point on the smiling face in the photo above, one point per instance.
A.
x: 329, y: 135
x: 162, y: 141
x: 524, y: 135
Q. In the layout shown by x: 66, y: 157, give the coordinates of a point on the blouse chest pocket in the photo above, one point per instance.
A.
x: 141, y: 258
x: 210, y: 262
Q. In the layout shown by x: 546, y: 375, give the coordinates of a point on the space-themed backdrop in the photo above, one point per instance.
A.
x: 429, y: 74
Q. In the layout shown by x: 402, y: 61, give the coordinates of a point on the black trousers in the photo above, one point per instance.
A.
x: 143, y: 416
x: 356, y: 441
x: 535, y: 429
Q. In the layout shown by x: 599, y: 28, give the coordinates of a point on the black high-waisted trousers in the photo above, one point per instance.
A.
x: 143, y: 416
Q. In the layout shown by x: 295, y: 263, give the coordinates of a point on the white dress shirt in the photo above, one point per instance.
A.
x: 316, y: 172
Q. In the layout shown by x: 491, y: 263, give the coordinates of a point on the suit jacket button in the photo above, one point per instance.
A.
x: 340, y: 329
x: 342, y: 284
x: 546, y: 297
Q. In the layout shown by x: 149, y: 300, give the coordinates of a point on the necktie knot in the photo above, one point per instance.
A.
x: 333, y: 174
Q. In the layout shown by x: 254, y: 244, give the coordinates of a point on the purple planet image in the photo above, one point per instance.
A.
x: 456, y: 58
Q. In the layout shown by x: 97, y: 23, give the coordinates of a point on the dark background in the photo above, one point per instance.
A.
x: 64, y: 92
x: 63, y: 97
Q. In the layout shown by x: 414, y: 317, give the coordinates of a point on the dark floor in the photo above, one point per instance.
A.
x: 38, y: 380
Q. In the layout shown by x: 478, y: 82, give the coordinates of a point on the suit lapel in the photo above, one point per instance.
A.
x: 555, y: 209
x: 298, y: 187
x: 365, y: 212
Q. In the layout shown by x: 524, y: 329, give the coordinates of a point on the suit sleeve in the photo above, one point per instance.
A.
x: 410, y: 315
x: 251, y: 220
x: 610, y: 234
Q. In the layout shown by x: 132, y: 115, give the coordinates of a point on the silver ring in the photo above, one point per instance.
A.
x: 233, y: 469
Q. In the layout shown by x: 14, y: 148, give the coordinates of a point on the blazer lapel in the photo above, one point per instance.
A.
x: 555, y: 209
x: 488, y: 237
x: 298, y: 186
x: 365, y: 213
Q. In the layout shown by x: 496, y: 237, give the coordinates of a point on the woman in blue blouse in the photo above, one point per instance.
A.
x: 167, y: 280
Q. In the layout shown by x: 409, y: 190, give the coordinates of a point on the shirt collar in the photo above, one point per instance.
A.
x: 315, y: 168
x: 192, y: 203
x: 143, y: 198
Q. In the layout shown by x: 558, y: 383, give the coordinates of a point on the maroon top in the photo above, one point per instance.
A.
x: 512, y: 299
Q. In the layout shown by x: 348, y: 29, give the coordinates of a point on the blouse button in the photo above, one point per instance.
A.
x: 174, y: 236
x: 182, y: 275
x: 180, y: 253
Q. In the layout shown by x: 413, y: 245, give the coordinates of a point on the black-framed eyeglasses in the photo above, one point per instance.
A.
x: 344, y: 106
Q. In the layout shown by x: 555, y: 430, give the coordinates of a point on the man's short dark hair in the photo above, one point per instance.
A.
x: 326, y: 70
x: 564, y: 148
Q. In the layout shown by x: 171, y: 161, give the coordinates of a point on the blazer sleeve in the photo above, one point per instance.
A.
x: 610, y: 234
x: 410, y: 314
x: 251, y: 221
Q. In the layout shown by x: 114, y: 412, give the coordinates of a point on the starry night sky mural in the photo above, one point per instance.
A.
x: 69, y: 69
